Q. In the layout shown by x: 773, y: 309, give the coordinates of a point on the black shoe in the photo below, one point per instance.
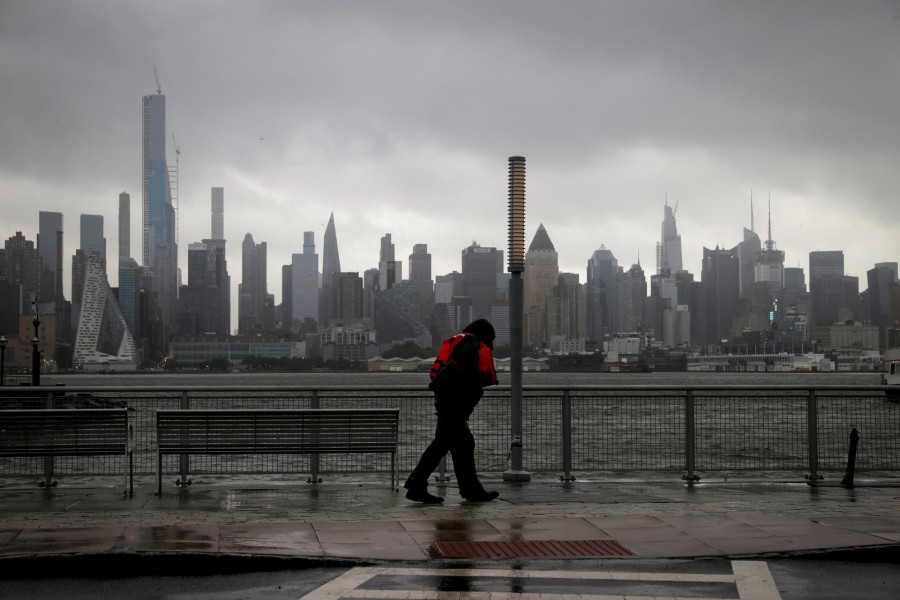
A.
x: 482, y: 496
x: 422, y: 495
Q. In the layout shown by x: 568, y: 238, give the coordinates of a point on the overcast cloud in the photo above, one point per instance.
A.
x: 399, y: 117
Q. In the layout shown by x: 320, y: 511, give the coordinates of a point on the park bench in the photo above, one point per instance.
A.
x: 28, y: 433
x: 311, y: 431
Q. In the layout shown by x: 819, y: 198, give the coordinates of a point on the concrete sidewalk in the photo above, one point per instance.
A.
x: 368, y: 522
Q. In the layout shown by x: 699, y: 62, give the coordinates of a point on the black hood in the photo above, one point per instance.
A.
x: 483, y: 330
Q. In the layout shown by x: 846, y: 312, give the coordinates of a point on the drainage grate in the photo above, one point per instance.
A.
x: 532, y: 549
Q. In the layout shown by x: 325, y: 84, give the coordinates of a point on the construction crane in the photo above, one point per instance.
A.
x: 155, y: 76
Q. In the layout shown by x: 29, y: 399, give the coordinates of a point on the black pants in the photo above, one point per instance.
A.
x: 452, y: 435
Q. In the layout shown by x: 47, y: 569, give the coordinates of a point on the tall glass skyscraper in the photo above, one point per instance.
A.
x: 305, y: 281
x: 331, y: 266
x: 669, y: 248
x: 156, y: 194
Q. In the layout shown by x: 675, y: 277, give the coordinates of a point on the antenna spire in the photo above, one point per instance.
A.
x: 752, y: 227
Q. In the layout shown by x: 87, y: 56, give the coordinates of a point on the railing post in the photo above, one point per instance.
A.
x: 689, y: 439
x: 812, y: 432
x: 184, y: 459
x: 314, y: 458
x: 441, y: 476
x: 567, y: 437
x: 48, y: 460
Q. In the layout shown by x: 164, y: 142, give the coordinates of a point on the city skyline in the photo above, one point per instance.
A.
x: 714, y: 105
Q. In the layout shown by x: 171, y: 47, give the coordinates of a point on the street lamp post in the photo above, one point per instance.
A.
x: 516, y: 471
x: 2, y: 359
x: 36, y: 351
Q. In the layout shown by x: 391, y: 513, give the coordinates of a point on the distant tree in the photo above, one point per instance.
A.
x: 408, y: 349
x: 502, y: 351
x: 218, y: 364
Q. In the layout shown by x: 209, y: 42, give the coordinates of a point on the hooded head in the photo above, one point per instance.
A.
x: 483, y: 330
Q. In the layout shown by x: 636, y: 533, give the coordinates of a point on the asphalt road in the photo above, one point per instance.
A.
x: 805, y: 578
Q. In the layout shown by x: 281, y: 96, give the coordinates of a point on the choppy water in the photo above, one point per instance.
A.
x: 328, y: 379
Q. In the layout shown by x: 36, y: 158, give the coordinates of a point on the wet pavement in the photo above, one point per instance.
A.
x: 367, y: 523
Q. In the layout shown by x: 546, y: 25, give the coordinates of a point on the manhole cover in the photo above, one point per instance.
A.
x: 532, y: 549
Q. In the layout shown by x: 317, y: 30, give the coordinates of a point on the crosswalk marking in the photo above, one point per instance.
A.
x: 752, y: 579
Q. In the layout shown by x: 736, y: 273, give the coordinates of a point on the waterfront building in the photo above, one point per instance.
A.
x: 331, y: 265
x: 305, y: 282
x: 103, y: 341
x: 602, y: 269
x: 849, y: 336
x: 252, y: 289
x: 201, y: 349
x: 352, y: 341
x: 481, y: 267
x: 540, y: 276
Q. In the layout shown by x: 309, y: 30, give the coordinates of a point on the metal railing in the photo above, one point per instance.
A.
x: 569, y: 431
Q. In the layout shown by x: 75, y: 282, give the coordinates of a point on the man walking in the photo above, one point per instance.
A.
x: 464, y: 365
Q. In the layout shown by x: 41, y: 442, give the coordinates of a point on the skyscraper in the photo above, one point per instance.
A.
x: 92, y: 239
x: 602, y: 268
x: 49, y: 247
x: 159, y: 251
x: 420, y: 278
x: 103, y: 340
x: 390, y: 270
x: 481, y: 268
x: 768, y: 276
x: 668, y: 251
x: 20, y: 264
x: 348, y: 296
x: 218, y: 213
x: 721, y: 289
x: 331, y: 264
x: 826, y: 286
x: 252, y: 290
x: 124, y: 226
x: 541, y: 275
x: 305, y: 281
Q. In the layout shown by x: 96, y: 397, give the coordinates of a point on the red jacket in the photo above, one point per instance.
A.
x: 484, y: 365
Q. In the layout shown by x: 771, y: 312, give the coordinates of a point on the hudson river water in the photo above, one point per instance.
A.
x: 328, y: 379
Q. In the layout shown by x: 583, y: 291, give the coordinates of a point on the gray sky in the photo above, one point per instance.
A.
x: 400, y: 116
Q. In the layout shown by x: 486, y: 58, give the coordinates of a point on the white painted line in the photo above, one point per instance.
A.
x: 752, y: 578
x: 754, y: 581
x: 339, y: 587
